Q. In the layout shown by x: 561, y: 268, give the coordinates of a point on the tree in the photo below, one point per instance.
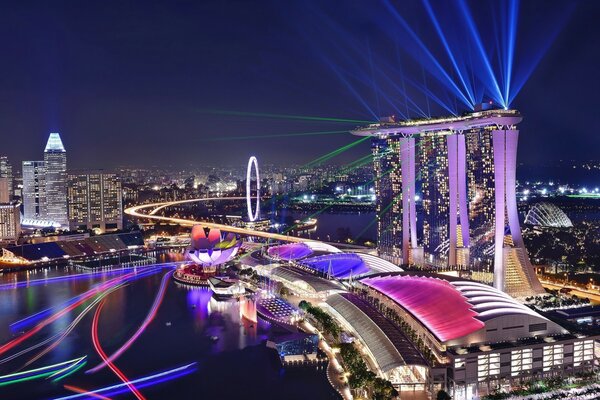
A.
x: 443, y: 395
x: 304, y: 305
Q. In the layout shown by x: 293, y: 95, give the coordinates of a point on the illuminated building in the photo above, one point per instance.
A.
x: 10, y: 221
x: 386, y: 163
x: 295, y: 347
x: 34, y: 190
x: 4, y: 190
x: 55, y: 159
x: 482, y: 337
x: 94, y: 201
x: 547, y: 215
x: 6, y: 180
x: 467, y: 173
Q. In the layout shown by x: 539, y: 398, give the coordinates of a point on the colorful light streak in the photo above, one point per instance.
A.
x: 22, y: 323
x: 160, y: 295
x: 104, y: 357
x: 45, y: 281
x: 11, y: 344
x: 59, y: 376
x: 56, y: 336
x: 86, y: 392
x: 147, y: 381
x: 39, y: 373
x: 73, y: 324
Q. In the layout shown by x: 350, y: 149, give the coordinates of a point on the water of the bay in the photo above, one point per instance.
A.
x: 190, y: 326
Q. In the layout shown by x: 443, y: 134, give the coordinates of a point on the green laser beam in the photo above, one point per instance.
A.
x: 285, y: 116
x: 277, y: 135
x: 335, y: 152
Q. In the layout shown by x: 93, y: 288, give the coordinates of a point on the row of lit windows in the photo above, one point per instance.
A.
x: 583, y: 351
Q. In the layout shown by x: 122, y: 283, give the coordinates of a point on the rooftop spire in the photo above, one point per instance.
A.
x: 54, y: 143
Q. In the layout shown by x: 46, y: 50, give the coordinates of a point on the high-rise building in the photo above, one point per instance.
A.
x: 10, y: 221
x: 4, y: 190
x: 34, y: 190
x: 55, y: 157
x: 95, y: 200
x: 469, y: 218
x: 6, y: 180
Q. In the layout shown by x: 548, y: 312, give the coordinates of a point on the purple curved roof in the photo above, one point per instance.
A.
x: 435, y: 302
x: 290, y: 251
x: 342, y: 264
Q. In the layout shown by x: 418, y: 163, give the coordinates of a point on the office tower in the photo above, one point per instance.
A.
x: 95, y: 200
x: 55, y: 158
x: 4, y: 190
x: 6, y: 180
x: 467, y: 169
x: 10, y: 222
x: 34, y: 190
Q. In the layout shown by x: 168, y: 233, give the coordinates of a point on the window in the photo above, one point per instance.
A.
x: 488, y: 365
x: 553, y: 356
x: 583, y: 351
x: 538, y: 327
x: 459, y: 363
x: 520, y: 361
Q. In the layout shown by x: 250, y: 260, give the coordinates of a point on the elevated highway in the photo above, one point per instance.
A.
x: 149, y: 211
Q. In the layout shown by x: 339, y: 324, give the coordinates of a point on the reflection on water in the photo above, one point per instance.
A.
x: 190, y: 325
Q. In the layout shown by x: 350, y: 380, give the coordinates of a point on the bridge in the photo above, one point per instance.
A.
x: 148, y: 211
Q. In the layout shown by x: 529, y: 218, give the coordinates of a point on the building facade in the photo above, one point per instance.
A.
x: 34, y: 190
x: 6, y: 180
x: 467, y: 177
x: 55, y: 158
x: 10, y: 222
x: 95, y: 201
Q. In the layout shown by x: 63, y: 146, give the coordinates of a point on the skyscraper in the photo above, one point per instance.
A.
x: 34, y: 190
x: 55, y: 157
x: 95, y: 201
x: 6, y: 180
x: 4, y: 191
x: 467, y: 169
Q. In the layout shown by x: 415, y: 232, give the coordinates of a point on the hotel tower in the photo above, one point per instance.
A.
x: 445, y: 190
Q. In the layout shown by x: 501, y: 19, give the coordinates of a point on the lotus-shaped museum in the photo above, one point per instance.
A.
x: 211, y: 248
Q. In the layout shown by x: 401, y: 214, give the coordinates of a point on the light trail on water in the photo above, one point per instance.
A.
x: 147, y: 381
x: 72, y: 325
x: 102, y: 354
x: 29, y: 320
x: 151, y: 315
x: 11, y: 344
x: 38, y: 373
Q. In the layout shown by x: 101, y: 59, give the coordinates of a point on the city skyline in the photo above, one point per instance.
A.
x: 225, y: 199
x: 132, y: 90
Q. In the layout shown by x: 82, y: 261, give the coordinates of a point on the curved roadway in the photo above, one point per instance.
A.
x: 135, y: 212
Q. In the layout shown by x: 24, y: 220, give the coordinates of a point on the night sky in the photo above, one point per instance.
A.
x: 134, y: 82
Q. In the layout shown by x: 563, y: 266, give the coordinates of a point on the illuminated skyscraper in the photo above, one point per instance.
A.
x: 467, y: 170
x: 386, y: 159
x: 95, y: 201
x: 6, y: 180
x: 55, y: 157
x: 34, y: 190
